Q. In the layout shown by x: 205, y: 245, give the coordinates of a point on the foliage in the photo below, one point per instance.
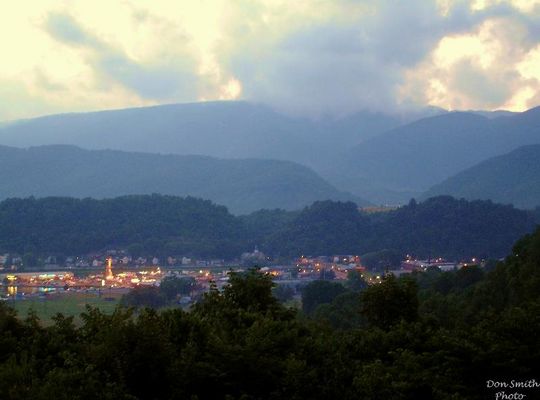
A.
x: 355, y: 281
x: 382, y: 259
x: 242, y: 185
x: 454, y: 229
x: 325, y: 227
x: 390, y: 302
x: 441, y: 226
x: 168, y: 292
x: 400, y: 339
x: 319, y: 292
x: 166, y: 225
x: 172, y: 287
x: 159, y: 225
x: 283, y: 293
x: 144, y: 297
x: 511, y: 178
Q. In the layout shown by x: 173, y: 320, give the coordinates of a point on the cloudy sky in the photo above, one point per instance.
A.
x: 307, y: 57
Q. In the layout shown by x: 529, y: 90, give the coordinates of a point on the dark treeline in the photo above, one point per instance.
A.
x: 430, y: 336
x: 167, y: 225
x: 167, y: 293
x: 440, y: 226
x: 143, y: 224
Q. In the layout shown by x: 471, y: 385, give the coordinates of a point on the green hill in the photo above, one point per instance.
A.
x: 146, y: 224
x: 372, y: 155
x: 243, y: 185
x: 512, y: 178
x: 169, y: 225
x: 438, y: 227
x: 406, y: 161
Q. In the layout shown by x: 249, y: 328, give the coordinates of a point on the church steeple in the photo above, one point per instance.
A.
x: 108, y: 270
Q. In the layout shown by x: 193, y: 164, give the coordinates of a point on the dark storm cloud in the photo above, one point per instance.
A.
x: 159, y: 82
x: 167, y: 81
x: 328, y: 65
x: 341, y: 68
x: 63, y: 28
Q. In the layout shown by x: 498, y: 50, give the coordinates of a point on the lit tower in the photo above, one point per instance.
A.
x: 108, y: 270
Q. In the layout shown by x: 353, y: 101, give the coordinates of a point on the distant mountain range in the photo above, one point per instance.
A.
x: 402, y: 163
x: 243, y: 185
x: 217, y: 129
x: 386, y: 159
x: 513, y: 178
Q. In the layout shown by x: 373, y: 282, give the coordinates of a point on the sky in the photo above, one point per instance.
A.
x: 303, y: 57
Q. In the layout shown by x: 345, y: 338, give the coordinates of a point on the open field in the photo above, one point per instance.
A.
x: 69, y: 304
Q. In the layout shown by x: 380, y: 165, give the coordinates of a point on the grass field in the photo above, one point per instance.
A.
x: 69, y: 304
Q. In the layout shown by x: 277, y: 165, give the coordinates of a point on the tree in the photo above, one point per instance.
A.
x: 468, y: 276
x: 144, y: 297
x: 319, y: 292
x: 251, y: 291
x: 391, y: 301
x: 343, y: 312
x: 380, y: 260
x: 283, y: 293
x: 172, y: 286
x: 355, y: 281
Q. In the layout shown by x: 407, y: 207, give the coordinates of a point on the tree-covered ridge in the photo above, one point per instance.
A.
x: 513, y: 178
x: 372, y: 155
x: 440, y: 226
x: 393, y: 166
x: 167, y: 225
x: 243, y: 185
x: 434, y: 335
x: 222, y: 129
x: 148, y: 224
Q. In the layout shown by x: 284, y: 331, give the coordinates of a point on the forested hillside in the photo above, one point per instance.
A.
x: 440, y: 226
x: 222, y: 129
x: 243, y: 185
x: 167, y: 225
x: 512, y: 178
x: 142, y: 224
x: 412, y: 158
x: 434, y: 335
x: 386, y: 159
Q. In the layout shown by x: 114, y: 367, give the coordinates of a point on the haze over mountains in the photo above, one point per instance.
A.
x: 243, y: 185
x: 216, y: 129
x: 405, y: 161
x: 513, y: 178
x: 382, y: 158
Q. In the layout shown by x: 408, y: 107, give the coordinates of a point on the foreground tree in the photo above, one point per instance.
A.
x: 390, y: 302
x: 319, y: 292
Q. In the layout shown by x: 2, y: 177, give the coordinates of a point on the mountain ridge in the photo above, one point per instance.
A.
x: 372, y: 155
x: 243, y: 185
x: 412, y: 158
x: 218, y: 129
x: 512, y: 178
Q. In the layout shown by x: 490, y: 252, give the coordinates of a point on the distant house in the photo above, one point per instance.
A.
x: 421, y: 265
x: 398, y: 272
x: 97, y: 263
